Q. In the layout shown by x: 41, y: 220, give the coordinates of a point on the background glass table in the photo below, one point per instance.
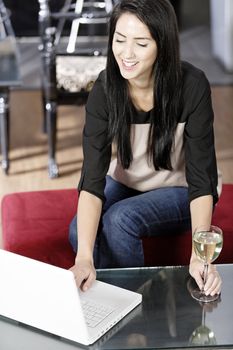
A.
x: 168, y: 318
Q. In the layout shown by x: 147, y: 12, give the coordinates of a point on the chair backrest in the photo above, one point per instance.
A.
x: 89, y: 17
x: 77, y: 12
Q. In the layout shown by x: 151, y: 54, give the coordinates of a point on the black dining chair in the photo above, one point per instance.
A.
x: 73, y: 51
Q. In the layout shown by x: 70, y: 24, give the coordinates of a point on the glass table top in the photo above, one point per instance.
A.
x: 168, y: 318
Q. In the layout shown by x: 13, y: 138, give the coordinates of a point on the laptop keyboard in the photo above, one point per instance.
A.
x: 94, y: 313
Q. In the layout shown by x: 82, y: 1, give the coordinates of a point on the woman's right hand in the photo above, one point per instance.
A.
x: 84, y: 273
x: 213, y: 282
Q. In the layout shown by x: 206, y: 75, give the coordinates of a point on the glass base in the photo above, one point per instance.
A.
x: 200, y: 296
x: 197, y: 294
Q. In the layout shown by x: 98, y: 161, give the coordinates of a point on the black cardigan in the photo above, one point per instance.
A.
x: 193, y: 155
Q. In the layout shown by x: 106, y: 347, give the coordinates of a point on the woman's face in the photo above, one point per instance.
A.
x: 134, y: 49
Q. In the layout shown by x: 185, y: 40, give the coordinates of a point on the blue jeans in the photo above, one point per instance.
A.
x: 128, y: 215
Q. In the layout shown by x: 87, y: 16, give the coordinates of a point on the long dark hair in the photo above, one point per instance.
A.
x: 159, y: 17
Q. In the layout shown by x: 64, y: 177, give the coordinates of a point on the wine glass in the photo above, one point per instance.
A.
x: 207, y: 246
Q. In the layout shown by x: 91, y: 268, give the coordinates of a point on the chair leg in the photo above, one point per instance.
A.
x: 49, y: 98
x: 51, y: 127
x: 44, y: 123
x: 44, y: 22
x: 4, y: 130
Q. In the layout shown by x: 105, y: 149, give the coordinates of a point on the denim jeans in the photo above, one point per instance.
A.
x: 128, y: 215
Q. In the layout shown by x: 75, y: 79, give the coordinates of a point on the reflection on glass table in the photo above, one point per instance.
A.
x: 202, y: 335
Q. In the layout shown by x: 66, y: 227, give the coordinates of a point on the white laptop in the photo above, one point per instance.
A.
x: 46, y: 297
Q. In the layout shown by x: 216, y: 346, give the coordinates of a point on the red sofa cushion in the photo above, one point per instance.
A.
x: 35, y: 224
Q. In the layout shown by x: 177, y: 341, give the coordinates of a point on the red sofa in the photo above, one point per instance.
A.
x: 35, y: 224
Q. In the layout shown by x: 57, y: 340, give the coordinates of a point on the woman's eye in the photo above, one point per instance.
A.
x: 142, y: 45
x: 119, y: 41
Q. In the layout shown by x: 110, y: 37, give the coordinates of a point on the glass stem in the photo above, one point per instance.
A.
x: 205, y: 273
x: 203, y: 316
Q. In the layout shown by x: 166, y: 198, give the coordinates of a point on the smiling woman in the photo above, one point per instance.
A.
x: 158, y: 111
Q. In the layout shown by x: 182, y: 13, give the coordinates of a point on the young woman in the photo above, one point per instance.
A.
x: 157, y: 110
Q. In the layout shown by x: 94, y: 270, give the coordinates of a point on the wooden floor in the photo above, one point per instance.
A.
x: 28, y: 150
x: 28, y: 144
x: 223, y: 108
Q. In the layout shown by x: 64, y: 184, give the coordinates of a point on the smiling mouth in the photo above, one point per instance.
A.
x: 129, y: 65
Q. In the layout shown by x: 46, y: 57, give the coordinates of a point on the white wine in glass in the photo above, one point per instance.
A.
x: 207, y: 247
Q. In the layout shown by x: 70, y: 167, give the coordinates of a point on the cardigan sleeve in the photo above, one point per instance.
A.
x: 200, y: 158
x: 96, y: 149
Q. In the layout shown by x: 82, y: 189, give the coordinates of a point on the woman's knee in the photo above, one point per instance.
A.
x: 73, y: 234
x: 120, y: 243
x: 121, y: 220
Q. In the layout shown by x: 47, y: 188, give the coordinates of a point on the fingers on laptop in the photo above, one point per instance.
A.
x: 84, y: 276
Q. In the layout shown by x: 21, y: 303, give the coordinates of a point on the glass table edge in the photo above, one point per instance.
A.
x: 172, y: 267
